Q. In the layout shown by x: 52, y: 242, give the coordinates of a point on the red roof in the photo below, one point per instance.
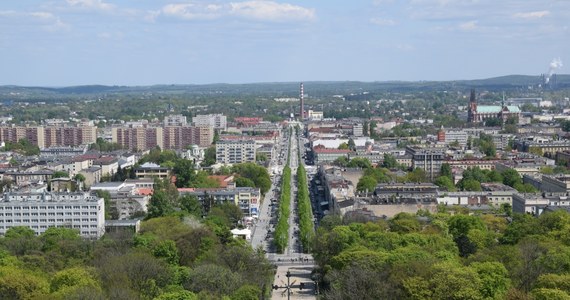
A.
x: 145, y: 191
x: 222, y: 179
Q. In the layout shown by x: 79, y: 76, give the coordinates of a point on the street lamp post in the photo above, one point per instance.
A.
x: 287, y: 287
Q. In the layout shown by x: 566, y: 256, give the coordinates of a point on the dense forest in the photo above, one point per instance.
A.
x: 445, y: 256
x: 173, y: 257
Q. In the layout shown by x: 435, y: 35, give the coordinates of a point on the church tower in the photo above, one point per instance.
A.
x: 472, y: 110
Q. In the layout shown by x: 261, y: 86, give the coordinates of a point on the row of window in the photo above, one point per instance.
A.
x: 47, y: 207
x: 67, y: 213
x: 48, y: 220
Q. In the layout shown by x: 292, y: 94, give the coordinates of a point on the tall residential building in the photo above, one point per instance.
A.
x: 39, y: 211
x: 138, y: 138
x: 50, y: 136
x: 218, y: 121
x: 169, y: 137
x: 69, y: 136
x: 179, y: 137
x: 235, y: 152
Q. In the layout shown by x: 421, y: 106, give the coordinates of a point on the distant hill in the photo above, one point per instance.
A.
x: 285, y: 89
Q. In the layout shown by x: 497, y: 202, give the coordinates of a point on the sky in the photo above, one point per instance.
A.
x: 146, y: 42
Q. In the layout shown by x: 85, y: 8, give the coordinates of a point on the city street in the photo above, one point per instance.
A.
x: 293, y: 260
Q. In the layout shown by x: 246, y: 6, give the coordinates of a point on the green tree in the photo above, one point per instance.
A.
x: 445, y: 182
x: 16, y: 283
x: 60, y: 174
x: 446, y: 170
x: 159, y: 206
x: 389, y: 161
x: 191, y: 205
x: 73, y: 277
x: 359, y: 162
x: 471, y: 185
x: 342, y: 161
x: 343, y: 146
x: 209, y: 157
x: 494, y: 279
x: 246, y: 292
x: 511, y: 177
x: 366, y: 183
x: 242, y: 181
x: 417, y: 175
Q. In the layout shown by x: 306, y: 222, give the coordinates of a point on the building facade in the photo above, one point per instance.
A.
x: 246, y: 198
x: 218, y: 121
x: 50, y: 136
x: 40, y: 211
x: 235, y: 152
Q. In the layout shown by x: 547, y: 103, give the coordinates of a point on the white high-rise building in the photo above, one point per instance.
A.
x: 235, y: 152
x: 39, y: 211
x: 175, y: 120
x: 218, y: 121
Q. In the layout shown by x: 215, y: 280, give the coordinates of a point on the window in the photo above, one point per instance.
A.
x: 42, y: 214
x: 77, y: 207
x: 60, y: 207
x: 51, y: 207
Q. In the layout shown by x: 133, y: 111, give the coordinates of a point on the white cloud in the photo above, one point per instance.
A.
x: 39, y: 19
x: 471, y: 25
x: 382, y: 22
x: 192, y: 11
x: 91, y: 4
x: 532, y: 15
x: 271, y: 11
x: 254, y: 10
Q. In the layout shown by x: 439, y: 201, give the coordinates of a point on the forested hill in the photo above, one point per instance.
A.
x: 284, y: 89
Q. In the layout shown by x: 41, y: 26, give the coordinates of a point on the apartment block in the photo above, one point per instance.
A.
x: 235, y: 152
x: 138, y: 138
x: 51, y: 136
x: 39, y: 211
x: 218, y: 121
x: 246, y: 198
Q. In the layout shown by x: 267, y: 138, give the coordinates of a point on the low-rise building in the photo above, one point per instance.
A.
x: 40, y: 211
x: 246, y: 198
x: 151, y: 170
